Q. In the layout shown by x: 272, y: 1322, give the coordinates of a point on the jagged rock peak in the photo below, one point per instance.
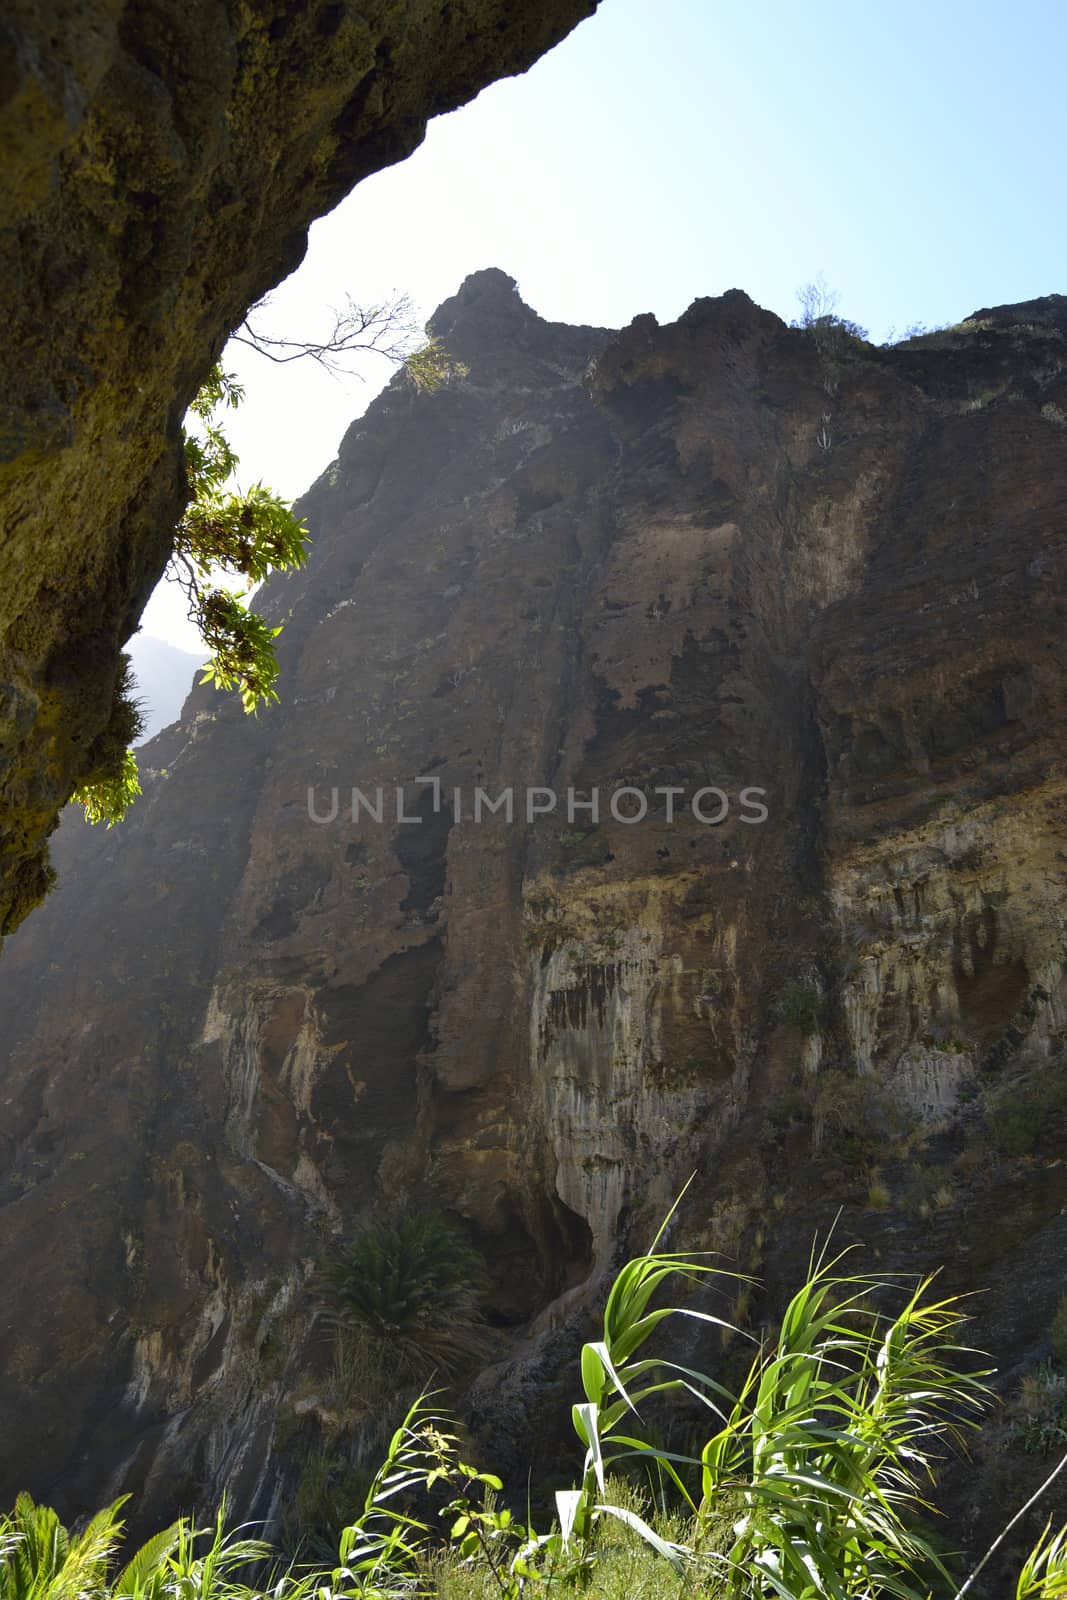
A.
x: 487, y: 325
x: 488, y: 295
x: 731, y: 303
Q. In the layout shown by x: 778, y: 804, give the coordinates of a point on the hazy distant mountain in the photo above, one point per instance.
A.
x: 164, y: 677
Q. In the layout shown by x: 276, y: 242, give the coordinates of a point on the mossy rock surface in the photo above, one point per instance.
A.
x: 159, y: 169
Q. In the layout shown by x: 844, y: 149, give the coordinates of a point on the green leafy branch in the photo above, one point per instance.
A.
x: 247, y: 534
x: 244, y: 534
x: 431, y: 365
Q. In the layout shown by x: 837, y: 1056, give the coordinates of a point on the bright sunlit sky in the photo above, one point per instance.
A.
x: 911, y: 152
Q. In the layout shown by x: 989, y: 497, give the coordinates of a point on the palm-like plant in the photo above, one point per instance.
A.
x: 414, y: 1286
x: 41, y: 1560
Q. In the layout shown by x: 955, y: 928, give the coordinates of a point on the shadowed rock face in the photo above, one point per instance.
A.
x: 714, y: 555
x: 159, y: 168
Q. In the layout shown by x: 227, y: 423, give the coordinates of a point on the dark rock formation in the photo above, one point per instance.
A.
x: 159, y: 168
x: 715, y: 555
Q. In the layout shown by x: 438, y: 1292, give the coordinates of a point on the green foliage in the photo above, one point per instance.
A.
x: 1024, y: 1113
x: 107, y: 799
x: 386, y: 1544
x: 203, y: 1563
x: 1039, y: 1411
x: 248, y: 535
x: 113, y: 783
x: 477, y: 1527
x: 803, y: 1486
x: 390, y: 1549
x: 620, y: 1565
x: 430, y: 366
x: 412, y: 1287
x: 218, y: 389
x: 923, y: 335
x: 851, y: 330
x: 615, y: 1384
x: 828, y: 1440
x: 252, y: 532
x: 801, y: 1004
x: 833, y: 1435
x: 328, y: 1490
x: 856, y: 1121
x: 1044, y: 1572
x: 41, y: 1560
x: 242, y: 649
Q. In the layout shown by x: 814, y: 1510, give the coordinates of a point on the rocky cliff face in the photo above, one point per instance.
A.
x: 159, y: 168
x: 694, y: 562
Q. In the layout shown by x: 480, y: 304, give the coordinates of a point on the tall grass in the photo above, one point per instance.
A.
x: 806, y: 1485
x: 830, y: 1443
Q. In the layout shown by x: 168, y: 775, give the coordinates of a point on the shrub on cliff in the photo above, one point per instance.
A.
x: 801, y: 1004
x: 411, y: 1286
x: 113, y: 783
x: 1024, y: 1113
x: 818, y: 317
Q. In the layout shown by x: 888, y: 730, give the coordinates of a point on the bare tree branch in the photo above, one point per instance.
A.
x: 387, y: 329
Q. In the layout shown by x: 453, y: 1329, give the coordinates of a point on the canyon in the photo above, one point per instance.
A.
x: 719, y: 555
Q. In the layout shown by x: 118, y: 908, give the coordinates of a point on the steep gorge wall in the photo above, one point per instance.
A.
x: 159, y: 168
x: 714, y: 553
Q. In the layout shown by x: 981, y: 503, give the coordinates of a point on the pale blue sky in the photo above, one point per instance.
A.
x: 913, y: 153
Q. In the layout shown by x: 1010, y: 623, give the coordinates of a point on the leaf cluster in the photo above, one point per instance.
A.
x: 415, y: 1286
x: 108, y: 798
x: 232, y: 534
x: 245, y: 534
